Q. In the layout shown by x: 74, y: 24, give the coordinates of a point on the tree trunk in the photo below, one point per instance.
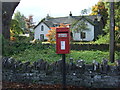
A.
x: 7, y: 12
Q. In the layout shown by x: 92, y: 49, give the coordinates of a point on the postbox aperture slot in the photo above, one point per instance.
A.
x: 62, y: 34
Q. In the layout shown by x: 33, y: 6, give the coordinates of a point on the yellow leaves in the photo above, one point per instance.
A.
x: 12, y: 38
x: 116, y: 28
x: 51, y: 35
x: 12, y: 32
x: 95, y: 8
x: 94, y: 13
x: 99, y: 7
x: 101, y: 3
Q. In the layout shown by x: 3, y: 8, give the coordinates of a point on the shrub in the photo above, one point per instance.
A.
x: 10, y: 48
x: 103, y: 39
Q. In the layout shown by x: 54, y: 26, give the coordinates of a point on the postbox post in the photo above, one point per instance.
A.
x: 63, y: 47
x: 64, y: 71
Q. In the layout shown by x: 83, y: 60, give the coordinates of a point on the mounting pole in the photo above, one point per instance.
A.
x: 64, y: 72
x: 112, y: 32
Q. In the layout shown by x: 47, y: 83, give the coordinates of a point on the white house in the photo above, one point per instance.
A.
x: 40, y: 31
x: 81, y: 35
x: 86, y: 34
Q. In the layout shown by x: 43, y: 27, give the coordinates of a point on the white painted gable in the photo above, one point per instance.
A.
x: 40, y: 31
x: 89, y: 34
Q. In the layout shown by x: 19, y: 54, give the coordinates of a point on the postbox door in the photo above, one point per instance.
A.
x: 62, y: 40
x: 62, y: 46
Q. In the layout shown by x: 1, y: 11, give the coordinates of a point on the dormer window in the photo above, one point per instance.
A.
x: 42, y: 28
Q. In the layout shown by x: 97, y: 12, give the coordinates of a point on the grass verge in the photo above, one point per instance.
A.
x: 50, y: 56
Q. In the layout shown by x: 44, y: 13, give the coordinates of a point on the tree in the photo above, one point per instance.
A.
x: 52, y: 33
x: 117, y: 21
x: 15, y: 26
x: 7, y: 12
x: 15, y: 29
x: 101, y: 9
x: 29, y: 26
x: 84, y: 11
x: 79, y: 26
x: 29, y: 23
x: 21, y: 19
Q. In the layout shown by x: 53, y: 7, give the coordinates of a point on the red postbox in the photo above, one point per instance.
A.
x: 62, y: 40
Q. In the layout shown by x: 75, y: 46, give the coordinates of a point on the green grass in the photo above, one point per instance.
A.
x: 25, y: 51
x: 89, y: 56
x: 49, y: 55
x: 33, y: 55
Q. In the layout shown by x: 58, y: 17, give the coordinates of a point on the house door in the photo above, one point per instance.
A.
x: 41, y: 37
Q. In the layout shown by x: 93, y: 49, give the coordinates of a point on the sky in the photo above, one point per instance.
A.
x: 55, y: 8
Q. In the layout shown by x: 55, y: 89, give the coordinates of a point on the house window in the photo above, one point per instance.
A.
x: 83, y: 35
x: 42, y: 37
x: 42, y: 28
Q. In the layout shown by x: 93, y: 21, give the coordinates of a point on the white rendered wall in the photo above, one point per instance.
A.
x: 38, y: 31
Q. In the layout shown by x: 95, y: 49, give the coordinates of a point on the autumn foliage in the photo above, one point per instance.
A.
x: 101, y: 9
x: 51, y: 35
x: 12, y: 38
x: 52, y: 32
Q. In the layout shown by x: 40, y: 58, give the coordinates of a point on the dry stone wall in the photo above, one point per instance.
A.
x: 95, y: 75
